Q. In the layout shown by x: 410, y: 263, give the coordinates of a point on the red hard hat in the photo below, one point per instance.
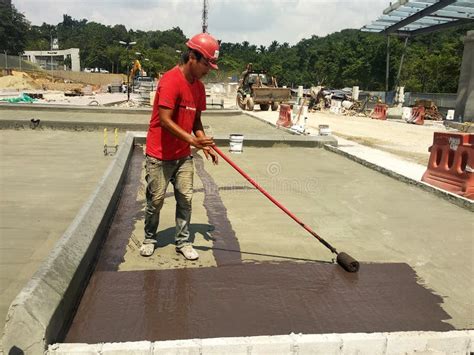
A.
x: 207, y: 45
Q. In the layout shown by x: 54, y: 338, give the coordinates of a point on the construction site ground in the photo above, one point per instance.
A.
x: 47, y: 174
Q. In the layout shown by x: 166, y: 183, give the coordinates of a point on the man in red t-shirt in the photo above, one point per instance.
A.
x: 180, y: 98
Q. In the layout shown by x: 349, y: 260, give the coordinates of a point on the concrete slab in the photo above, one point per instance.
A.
x: 461, y: 241
x: 39, y: 313
x: 369, y: 215
x: 45, y: 177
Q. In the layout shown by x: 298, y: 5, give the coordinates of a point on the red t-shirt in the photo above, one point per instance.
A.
x: 174, y: 92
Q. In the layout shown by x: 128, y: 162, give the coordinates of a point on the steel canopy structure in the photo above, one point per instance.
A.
x: 408, y: 18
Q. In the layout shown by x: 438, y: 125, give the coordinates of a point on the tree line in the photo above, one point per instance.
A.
x: 350, y: 57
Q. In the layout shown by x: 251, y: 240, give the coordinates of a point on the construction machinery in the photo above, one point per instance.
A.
x: 136, y: 70
x: 257, y: 87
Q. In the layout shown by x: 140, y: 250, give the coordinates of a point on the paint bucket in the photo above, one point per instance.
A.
x: 450, y: 115
x: 406, y: 113
x: 324, y: 130
x: 236, y: 142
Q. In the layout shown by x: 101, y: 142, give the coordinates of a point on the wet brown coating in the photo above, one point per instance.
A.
x: 129, y: 210
x: 226, y: 245
x: 254, y: 299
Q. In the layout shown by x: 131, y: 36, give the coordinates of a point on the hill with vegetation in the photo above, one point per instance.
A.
x: 346, y: 58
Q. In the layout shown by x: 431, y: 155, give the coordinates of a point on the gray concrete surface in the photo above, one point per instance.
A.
x: 394, y: 162
x: 40, y: 312
x: 45, y: 177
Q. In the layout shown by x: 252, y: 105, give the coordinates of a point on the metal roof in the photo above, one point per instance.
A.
x: 412, y: 17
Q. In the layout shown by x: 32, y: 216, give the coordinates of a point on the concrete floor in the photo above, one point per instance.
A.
x: 45, y: 177
x: 370, y: 216
x: 373, y: 217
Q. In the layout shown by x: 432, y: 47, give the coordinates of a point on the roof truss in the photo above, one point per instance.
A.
x: 413, y: 17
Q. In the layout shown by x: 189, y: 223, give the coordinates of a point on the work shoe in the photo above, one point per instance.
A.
x: 147, y: 249
x: 188, y: 252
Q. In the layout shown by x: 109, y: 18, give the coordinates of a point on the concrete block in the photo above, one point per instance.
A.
x: 177, y: 347
x: 217, y: 346
x: 128, y: 348
x: 455, y: 342
x: 73, y: 349
x: 277, y: 344
x: 471, y: 342
x: 326, y: 344
x: 363, y: 343
x: 406, y: 342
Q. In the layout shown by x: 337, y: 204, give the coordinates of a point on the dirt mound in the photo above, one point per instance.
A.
x: 36, y: 81
x: 18, y: 82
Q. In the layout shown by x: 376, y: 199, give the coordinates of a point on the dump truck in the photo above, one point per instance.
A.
x: 257, y: 87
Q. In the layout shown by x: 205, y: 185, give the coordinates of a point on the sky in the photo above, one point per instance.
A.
x: 257, y: 21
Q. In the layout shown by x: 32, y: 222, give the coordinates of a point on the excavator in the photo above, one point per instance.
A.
x: 136, y: 71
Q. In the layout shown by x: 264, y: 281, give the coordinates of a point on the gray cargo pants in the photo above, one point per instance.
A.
x: 159, y: 173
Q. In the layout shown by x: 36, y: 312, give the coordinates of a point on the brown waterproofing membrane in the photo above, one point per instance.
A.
x: 236, y: 299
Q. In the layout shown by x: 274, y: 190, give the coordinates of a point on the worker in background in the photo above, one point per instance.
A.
x: 247, y: 70
x: 180, y: 98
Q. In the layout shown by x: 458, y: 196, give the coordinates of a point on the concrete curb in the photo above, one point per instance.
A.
x: 454, y: 342
x: 71, y: 125
x: 99, y: 109
x: 453, y: 198
x: 40, y: 313
x: 292, y: 141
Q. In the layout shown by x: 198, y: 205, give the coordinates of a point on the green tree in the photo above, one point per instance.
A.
x: 13, y: 29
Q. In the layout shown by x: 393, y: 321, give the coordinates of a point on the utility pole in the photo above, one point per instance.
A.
x: 51, y: 49
x: 128, y: 46
x: 204, y: 16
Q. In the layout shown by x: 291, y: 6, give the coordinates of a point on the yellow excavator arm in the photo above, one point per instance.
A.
x: 136, y: 69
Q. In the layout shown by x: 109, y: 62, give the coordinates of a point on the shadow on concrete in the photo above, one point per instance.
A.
x: 166, y: 236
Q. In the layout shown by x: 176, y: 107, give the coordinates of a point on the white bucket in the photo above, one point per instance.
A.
x: 450, y: 115
x: 324, y: 130
x: 236, y: 142
x: 406, y: 113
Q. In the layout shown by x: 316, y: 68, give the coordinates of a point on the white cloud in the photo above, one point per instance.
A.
x: 256, y: 21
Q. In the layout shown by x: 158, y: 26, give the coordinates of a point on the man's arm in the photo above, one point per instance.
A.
x: 166, y: 122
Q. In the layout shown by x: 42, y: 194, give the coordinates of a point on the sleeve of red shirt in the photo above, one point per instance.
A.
x: 168, y: 93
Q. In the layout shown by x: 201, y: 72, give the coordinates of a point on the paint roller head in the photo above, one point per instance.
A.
x: 347, y: 262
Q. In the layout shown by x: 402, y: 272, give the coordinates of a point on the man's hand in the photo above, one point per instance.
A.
x: 202, y: 142
x: 209, y: 152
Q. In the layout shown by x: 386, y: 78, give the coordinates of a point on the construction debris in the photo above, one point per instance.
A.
x: 431, y: 110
